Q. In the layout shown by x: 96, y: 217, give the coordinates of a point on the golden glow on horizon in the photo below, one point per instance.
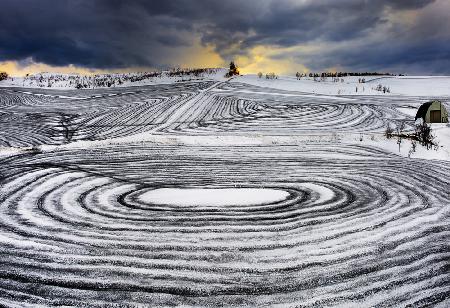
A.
x: 264, y: 59
x: 258, y: 59
x: 199, y: 56
x: 16, y: 70
x: 196, y: 56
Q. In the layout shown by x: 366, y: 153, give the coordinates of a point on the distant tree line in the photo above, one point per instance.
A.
x: 344, y: 74
x: 110, y: 80
x: 191, y: 72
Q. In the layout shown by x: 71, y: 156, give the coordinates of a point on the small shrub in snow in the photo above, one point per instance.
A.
x: 36, y: 149
x: 383, y: 89
x: 422, y: 134
x: 400, y: 128
x: 413, y: 148
x: 300, y: 75
x: 389, y: 131
x: 271, y: 76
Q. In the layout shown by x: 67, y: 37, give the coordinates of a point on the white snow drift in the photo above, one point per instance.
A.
x: 213, y: 197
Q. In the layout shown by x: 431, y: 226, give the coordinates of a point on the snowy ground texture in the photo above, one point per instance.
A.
x: 91, y: 183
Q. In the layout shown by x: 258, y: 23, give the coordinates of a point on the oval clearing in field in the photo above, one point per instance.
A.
x: 213, y: 197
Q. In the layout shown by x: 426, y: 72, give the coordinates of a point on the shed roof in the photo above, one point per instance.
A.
x: 422, y: 112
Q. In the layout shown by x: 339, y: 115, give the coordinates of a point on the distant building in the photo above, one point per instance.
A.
x: 433, y: 112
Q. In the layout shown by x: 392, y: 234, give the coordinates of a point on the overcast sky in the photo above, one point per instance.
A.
x: 399, y: 36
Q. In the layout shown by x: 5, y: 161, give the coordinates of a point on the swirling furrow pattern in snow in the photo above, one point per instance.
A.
x: 39, y: 117
x: 227, y: 109
x: 274, y: 113
x: 360, y: 227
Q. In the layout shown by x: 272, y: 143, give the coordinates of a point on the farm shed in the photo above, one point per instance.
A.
x: 433, y: 112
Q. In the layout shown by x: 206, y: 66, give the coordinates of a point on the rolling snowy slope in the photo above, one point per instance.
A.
x: 399, y: 85
x: 314, y: 207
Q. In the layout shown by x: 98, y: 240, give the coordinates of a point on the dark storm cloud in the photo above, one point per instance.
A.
x: 94, y: 34
x: 400, y: 57
x: 116, y: 34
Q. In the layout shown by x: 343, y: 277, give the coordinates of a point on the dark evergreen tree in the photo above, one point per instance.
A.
x: 233, y: 70
x: 3, y: 76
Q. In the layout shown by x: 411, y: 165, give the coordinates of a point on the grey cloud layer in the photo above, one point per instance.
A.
x: 117, y: 34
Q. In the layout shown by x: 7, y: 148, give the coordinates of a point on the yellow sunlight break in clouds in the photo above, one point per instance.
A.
x: 264, y: 59
x: 258, y: 59
x: 196, y: 56
x: 16, y: 70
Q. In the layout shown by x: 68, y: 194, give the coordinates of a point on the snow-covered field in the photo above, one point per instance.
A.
x: 222, y: 193
x: 398, y: 85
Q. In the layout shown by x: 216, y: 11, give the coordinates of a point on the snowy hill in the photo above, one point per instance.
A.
x: 351, y: 85
x: 220, y: 190
x: 76, y: 81
x: 397, y: 85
